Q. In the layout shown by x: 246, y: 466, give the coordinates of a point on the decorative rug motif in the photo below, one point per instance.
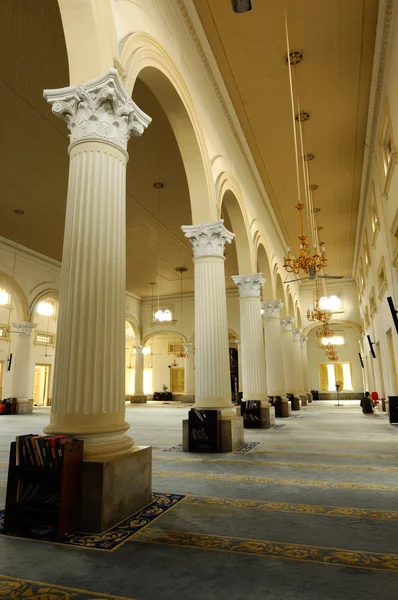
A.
x: 269, y: 549
x: 111, y: 539
x: 295, y: 416
x: 21, y: 589
x: 279, y: 426
x: 177, y: 448
x: 242, y: 450
x: 347, y: 485
x: 303, y: 509
x: 246, y: 448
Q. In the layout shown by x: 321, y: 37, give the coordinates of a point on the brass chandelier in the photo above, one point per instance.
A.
x: 331, y: 353
x: 317, y: 313
x: 306, y: 260
x: 324, y: 332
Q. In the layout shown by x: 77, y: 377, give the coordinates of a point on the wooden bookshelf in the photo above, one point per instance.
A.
x: 38, y: 519
x: 204, y: 428
x: 251, y: 413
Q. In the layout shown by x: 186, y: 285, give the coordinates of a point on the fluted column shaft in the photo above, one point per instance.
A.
x: 139, y: 371
x: 88, y: 395
x: 252, y: 341
x: 298, y: 365
x: 22, y: 381
x: 212, y: 373
x: 304, y: 363
x: 273, y: 348
x: 189, y: 374
x: 288, y: 355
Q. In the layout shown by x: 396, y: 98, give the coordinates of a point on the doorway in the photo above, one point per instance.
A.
x: 234, y: 373
x: 177, y: 380
x: 41, y: 383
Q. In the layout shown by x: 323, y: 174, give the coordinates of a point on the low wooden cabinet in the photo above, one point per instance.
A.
x: 204, y: 430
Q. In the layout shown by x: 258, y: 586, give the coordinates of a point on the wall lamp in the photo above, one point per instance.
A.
x: 371, y: 344
x: 394, y: 312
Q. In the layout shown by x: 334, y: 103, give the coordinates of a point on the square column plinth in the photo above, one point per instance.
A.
x: 114, y: 489
x: 267, y: 417
x: 138, y: 399
x: 232, y: 434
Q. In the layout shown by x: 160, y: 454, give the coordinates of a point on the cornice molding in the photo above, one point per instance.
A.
x: 376, y: 95
x: 28, y: 253
x: 216, y: 80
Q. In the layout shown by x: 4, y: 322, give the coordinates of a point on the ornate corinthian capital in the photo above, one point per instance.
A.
x: 249, y: 285
x: 303, y: 341
x: 98, y: 110
x: 139, y: 349
x: 208, y: 239
x: 296, y: 334
x: 25, y: 327
x: 272, y: 309
x: 287, y: 324
x: 189, y: 348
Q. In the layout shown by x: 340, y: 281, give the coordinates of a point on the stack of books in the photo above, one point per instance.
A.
x: 40, y: 450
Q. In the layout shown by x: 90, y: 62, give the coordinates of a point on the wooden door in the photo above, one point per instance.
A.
x: 177, y: 380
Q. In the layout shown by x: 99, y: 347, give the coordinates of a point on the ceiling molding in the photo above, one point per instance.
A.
x: 24, y: 252
x: 216, y: 79
x: 378, y: 79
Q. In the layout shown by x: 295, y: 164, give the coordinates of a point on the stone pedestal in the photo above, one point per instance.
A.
x: 89, y: 372
x: 274, y: 354
x: 289, y: 361
x: 115, y: 488
x: 22, y: 371
x: 232, y: 434
x: 212, y: 374
x: 139, y: 397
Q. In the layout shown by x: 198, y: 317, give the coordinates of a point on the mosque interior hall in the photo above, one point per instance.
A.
x: 198, y: 300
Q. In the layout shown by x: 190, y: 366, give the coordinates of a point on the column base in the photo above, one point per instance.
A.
x: 267, y: 417
x: 304, y: 399
x: 282, y: 407
x: 232, y: 434
x: 294, y: 401
x: 309, y: 397
x: 24, y: 406
x: 137, y: 399
x: 187, y: 399
x: 114, y: 489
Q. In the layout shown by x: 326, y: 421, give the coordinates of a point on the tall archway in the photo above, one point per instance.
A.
x: 263, y: 267
x: 280, y: 293
x: 145, y: 59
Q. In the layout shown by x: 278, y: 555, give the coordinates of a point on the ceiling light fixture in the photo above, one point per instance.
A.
x: 309, y: 156
x: 302, y: 116
x: 240, y: 6
x: 18, y: 211
x: 295, y: 56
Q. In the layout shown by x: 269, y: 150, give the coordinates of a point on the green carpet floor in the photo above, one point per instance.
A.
x: 310, y: 513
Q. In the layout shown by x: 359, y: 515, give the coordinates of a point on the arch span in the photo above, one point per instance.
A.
x: 264, y: 267
x: 144, y: 58
x: 45, y: 293
x: 280, y: 291
x: 17, y: 295
x: 153, y: 334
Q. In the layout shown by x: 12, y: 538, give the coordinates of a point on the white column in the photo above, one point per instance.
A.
x: 139, y: 375
x: 254, y: 382
x: 273, y: 347
x: 89, y: 394
x: 212, y: 376
x: 189, y: 373
x: 288, y: 355
x: 304, y: 365
x: 298, y: 365
x: 22, y: 380
x: 239, y: 346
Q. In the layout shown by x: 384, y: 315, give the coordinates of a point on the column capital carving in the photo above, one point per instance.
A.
x: 98, y: 110
x: 139, y: 349
x: 287, y: 324
x: 208, y: 239
x: 249, y: 286
x: 189, y: 347
x: 25, y: 327
x: 296, y: 334
x: 303, y: 341
x: 272, y: 309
